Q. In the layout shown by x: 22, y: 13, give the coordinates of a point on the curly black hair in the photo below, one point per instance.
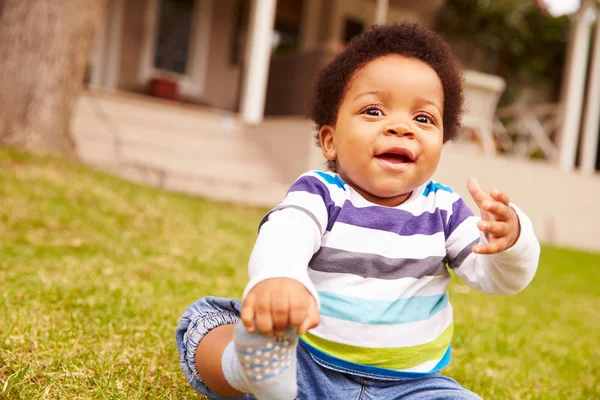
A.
x: 405, y: 39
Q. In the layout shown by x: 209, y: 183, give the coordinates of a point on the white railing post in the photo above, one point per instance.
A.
x: 575, y: 87
x: 591, y: 122
x: 258, y: 56
x: 382, y: 11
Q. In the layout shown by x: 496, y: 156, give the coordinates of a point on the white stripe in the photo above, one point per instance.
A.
x: 425, y: 367
x: 441, y: 200
x: 388, y: 244
x: 378, y: 289
x: 384, y: 335
x: 360, y: 202
x: 462, y: 236
x: 311, y: 202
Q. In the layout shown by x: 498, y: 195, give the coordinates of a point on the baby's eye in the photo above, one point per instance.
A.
x: 424, y: 119
x: 373, y: 112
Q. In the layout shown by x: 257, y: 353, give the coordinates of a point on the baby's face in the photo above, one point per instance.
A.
x: 388, y: 137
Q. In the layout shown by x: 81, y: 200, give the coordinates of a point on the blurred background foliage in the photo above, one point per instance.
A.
x: 515, y: 39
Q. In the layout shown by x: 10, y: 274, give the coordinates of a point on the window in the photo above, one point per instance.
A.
x: 176, y: 43
x: 174, y: 35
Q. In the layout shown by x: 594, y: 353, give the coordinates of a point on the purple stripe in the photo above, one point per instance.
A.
x: 314, y: 185
x: 394, y: 220
x: 464, y: 253
x: 375, y: 266
x: 460, y: 212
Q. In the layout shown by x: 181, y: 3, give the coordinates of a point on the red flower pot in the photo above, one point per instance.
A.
x: 163, y: 88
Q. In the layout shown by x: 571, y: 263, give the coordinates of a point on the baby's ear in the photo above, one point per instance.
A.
x: 327, y: 143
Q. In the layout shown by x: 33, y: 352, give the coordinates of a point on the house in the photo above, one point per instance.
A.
x: 227, y: 64
x: 221, y: 55
x: 240, y: 73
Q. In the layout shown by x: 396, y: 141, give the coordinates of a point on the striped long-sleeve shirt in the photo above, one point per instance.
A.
x: 380, y: 273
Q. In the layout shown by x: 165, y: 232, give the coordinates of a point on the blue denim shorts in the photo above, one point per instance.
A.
x: 315, y: 382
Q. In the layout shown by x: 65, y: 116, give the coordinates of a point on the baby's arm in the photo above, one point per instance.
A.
x: 498, y: 254
x: 280, y: 292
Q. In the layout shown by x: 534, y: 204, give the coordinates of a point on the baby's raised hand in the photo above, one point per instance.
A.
x: 274, y: 304
x: 498, y: 220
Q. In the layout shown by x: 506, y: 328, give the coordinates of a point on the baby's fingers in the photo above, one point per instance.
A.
x: 496, y: 246
x: 298, y: 310
x: 500, y: 196
x: 247, y: 314
x: 312, y: 317
x: 499, y: 210
x: 262, y: 310
x: 494, y: 228
x: 478, y: 194
x: 280, y: 312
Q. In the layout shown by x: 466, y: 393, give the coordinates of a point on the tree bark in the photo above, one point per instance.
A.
x: 44, y: 53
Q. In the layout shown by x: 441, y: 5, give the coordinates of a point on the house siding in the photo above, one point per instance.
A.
x: 131, y: 46
x: 223, y: 77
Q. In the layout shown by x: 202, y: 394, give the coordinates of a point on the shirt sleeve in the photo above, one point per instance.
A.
x: 507, y: 272
x: 291, y: 233
x: 286, y: 242
x: 314, y: 196
x: 461, y: 233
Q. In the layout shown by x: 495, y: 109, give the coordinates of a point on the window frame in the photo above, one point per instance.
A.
x: 192, y: 83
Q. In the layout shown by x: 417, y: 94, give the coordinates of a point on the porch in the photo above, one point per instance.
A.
x: 255, y: 57
x: 215, y: 141
x: 214, y: 154
x: 260, y: 57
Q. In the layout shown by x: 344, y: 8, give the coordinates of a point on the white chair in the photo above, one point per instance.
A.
x: 532, y: 127
x: 482, y: 93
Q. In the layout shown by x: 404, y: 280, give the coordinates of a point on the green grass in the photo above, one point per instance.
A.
x: 95, y: 271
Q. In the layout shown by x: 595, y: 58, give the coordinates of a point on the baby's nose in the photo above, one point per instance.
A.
x: 400, y: 129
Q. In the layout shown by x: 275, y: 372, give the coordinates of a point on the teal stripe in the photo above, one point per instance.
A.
x: 366, y: 311
x: 333, y: 180
x: 434, y: 187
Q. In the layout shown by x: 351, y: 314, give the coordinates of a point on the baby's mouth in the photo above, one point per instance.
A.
x: 394, y: 158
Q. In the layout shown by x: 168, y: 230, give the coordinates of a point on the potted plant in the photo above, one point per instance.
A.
x: 164, y: 86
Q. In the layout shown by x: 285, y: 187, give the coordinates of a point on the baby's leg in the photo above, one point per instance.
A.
x: 222, y: 359
x: 433, y: 386
x: 209, y: 355
x: 203, y: 332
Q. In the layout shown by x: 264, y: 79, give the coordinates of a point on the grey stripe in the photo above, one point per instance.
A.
x: 283, y: 206
x: 464, y: 253
x: 375, y: 266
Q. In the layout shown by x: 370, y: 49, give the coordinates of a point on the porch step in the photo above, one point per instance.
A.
x: 124, y: 132
x: 259, y: 193
x: 192, y: 149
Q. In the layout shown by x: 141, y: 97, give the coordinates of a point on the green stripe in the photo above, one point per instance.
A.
x: 396, y: 358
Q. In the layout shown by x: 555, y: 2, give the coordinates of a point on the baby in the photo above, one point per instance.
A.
x: 347, y: 296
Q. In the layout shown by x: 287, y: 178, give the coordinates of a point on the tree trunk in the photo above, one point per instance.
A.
x: 44, y: 52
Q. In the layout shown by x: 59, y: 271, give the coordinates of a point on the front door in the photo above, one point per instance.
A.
x: 176, y: 44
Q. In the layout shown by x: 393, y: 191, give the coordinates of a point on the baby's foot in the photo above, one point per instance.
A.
x: 267, y: 363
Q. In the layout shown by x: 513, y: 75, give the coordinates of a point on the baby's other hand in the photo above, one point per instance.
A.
x: 274, y: 304
x: 498, y: 220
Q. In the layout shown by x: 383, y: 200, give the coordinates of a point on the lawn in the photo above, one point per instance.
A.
x: 95, y: 271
